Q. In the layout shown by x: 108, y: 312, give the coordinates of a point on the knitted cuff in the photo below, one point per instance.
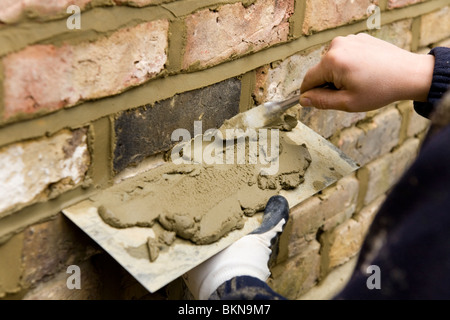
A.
x: 440, y: 83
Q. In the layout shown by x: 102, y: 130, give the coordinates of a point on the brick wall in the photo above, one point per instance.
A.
x: 78, y: 107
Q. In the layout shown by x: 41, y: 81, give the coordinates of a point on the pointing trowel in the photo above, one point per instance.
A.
x: 328, y: 165
x: 266, y: 113
x: 261, y: 115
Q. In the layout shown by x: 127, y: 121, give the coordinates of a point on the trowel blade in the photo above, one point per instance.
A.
x: 328, y: 165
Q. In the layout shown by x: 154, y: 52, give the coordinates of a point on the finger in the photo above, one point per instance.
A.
x: 322, y: 98
x: 315, y: 77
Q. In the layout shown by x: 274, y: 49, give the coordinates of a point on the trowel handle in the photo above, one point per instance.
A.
x: 289, y: 103
x: 277, y: 108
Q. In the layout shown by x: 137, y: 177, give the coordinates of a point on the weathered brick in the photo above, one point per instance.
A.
x: 13, y: 10
x: 444, y: 43
x: 435, y: 26
x: 340, y: 244
x: 404, y: 156
x: 295, y: 245
x: 214, y: 36
x: 344, y: 242
x: 282, y: 79
x: 52, y: 246
x: 305, y: 218
x: 367, y: 214
x: 303, y: 268
x: 147, y: 130
x: 405, y: 109
x: 413, y: 123
x: 339, y: 218
x: 41, y: 169
x: 393, y: 4
x: 56, y: 287
x: 327, y: 14
x: 398, y: 33
x: 339, y: 198
x: 371, y: 139
x: 347, y: 141
x: 377, y: 176
x: 381, y: 174
x: 43, y: 78
x: 329, y: 122
x: 319, y: 210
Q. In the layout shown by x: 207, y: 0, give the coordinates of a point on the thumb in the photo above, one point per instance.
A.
x: 322, y: 98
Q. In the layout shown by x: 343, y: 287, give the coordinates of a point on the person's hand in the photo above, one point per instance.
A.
x: 368, y: 73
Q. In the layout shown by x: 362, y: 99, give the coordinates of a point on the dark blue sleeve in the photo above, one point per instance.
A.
x: 440, y: 84
x: 409, y: 239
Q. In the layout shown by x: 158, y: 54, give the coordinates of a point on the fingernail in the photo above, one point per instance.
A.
x: 305, y: 102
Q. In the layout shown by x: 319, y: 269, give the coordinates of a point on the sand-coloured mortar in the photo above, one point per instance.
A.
x: 203, y: 201
x: 172, y: 255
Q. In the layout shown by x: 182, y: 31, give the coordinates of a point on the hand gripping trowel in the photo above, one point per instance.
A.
x: 328, y: 165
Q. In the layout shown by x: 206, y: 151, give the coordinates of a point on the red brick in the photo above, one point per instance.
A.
x: 44, y: 78
x: 233, y: 30
x: 392, y: 4
x: 326, y: 14
x: 12, y: 10
x: 36, y: 78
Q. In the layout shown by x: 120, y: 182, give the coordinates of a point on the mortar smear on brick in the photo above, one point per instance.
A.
x: 41, y: 169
